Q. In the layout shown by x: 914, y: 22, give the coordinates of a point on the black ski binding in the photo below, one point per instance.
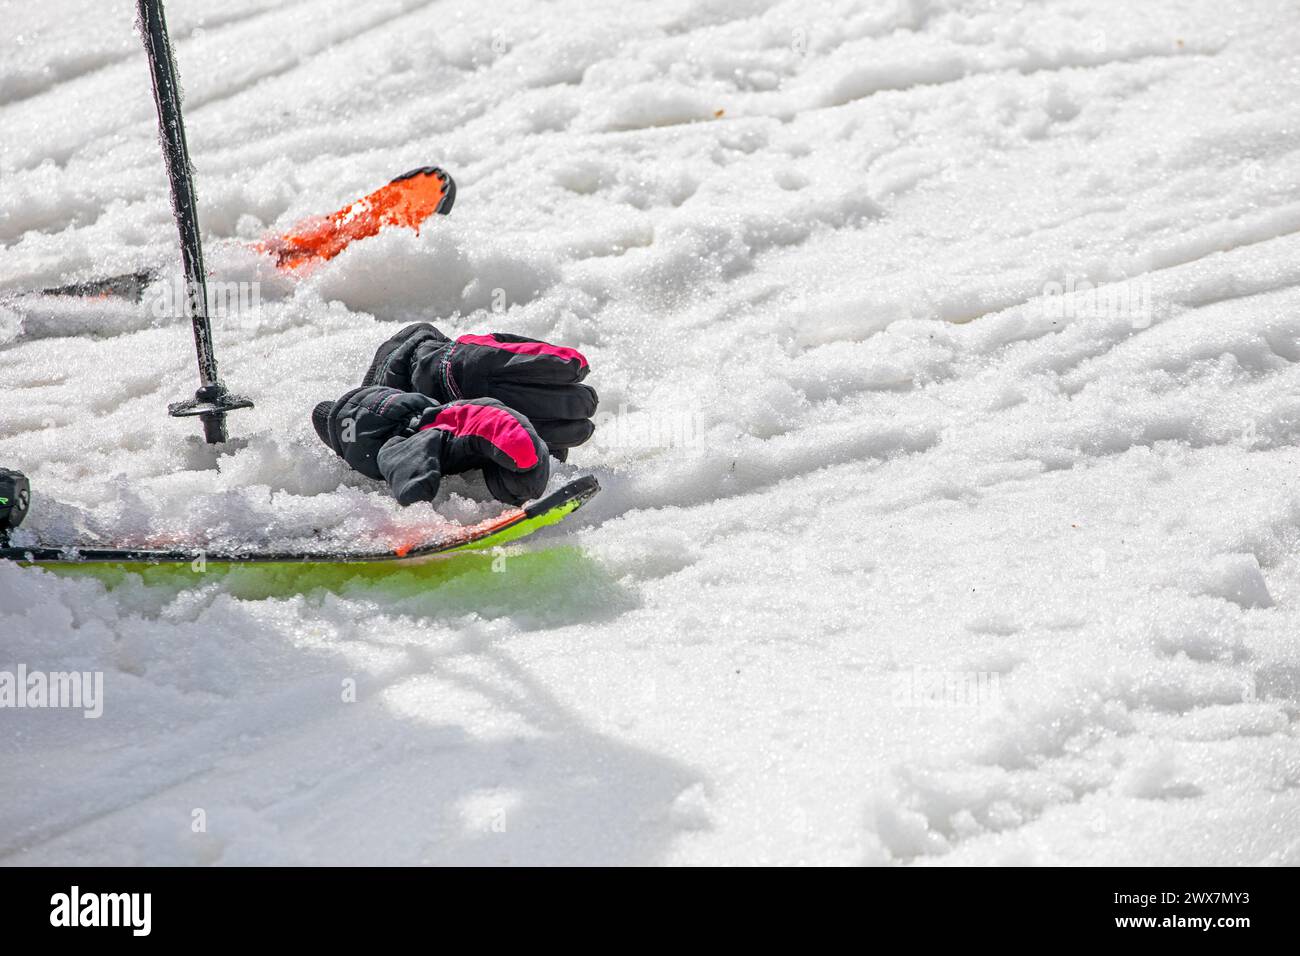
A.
x: 15, y: 499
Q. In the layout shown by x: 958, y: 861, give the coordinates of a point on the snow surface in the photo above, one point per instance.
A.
x: 900, y: 558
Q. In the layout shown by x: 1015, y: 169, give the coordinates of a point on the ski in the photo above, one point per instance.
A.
x: 510, y: 525
x: 407, y: 202
x: 128, y: 285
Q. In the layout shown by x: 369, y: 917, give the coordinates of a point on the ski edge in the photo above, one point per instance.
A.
x: 511, y: 526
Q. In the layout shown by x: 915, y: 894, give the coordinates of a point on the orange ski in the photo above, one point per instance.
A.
x: 407, y: 201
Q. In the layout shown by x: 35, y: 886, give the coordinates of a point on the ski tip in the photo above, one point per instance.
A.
x: 581, y: 490
x: 407, y: 201
x: 444, y: 177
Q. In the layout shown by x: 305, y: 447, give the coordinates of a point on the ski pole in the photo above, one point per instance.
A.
x: 211, y: 401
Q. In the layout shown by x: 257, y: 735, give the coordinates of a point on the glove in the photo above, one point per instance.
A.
x: 411, y: 441
x: 542, y: 381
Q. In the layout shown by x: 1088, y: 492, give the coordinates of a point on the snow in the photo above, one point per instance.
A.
x: 915, y: 546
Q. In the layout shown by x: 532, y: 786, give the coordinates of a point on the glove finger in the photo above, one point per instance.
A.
x: 411, y: 466
x: 561, y: 433
x: 516, y: 487
x: 522, y: 359
x: 547, y: 401
x: 391, y: 365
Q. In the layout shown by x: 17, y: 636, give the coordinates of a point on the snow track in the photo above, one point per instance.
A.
x: 901, y: 558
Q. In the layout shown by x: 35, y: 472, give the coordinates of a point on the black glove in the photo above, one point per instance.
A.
x: 411, y: 441
x: 540, y: 380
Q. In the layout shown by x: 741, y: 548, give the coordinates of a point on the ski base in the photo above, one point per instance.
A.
x: 509, y: 526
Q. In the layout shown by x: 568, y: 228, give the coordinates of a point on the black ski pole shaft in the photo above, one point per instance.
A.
x: 166, y: 90
x: 211, y: 401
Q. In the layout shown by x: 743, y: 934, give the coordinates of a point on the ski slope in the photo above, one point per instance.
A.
x: 902, y: 558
